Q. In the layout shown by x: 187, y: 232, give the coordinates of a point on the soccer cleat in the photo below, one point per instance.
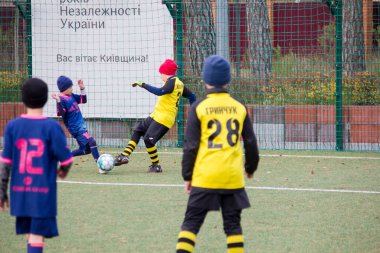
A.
x: 154, y: 168
x: 121, y: 159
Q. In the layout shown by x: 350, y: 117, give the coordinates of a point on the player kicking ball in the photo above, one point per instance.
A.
x: 33, y: 146
x: 154, y: 127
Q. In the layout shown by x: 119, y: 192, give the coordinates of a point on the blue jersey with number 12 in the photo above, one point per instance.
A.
x: 34, y: 146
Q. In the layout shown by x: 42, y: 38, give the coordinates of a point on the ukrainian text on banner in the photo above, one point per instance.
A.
x: 108, y: 44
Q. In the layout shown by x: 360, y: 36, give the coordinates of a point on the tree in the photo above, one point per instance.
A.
x: 353, y: 37
x: 368, y: 27
x: 199, y: 34
x: 260, y: 43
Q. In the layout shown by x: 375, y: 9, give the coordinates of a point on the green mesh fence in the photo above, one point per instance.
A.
x: 308, y: 71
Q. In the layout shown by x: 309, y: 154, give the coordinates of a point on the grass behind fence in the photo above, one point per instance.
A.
x: 141, y: 219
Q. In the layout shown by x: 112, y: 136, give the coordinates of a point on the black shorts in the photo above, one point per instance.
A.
x: 210, y: 199
x: 151, y: 130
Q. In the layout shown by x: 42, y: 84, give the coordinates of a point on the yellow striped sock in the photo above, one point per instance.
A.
x: 235, y: 244
x: 129, y: 148
x: 153, y: 155
x: 186, y: 242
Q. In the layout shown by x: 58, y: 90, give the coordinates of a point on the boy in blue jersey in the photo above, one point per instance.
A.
x: 33, y: 146
x: 68, y: 109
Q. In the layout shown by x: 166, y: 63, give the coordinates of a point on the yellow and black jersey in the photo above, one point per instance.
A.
x: 169, y: 96
x: 213, y: 153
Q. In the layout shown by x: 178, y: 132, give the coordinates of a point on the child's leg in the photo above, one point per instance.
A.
x: 36, y: 229
x: 93, y: 148
x: 137, y: 133
x: 128, y: 150
x: 78, y: 152
x: 82, y: 140
x: 233, y: 231
x: 35, y: 243
x: 154, y: 133
x: 194, y: 219
x: 87, y: 145
x: 152, y: 151
x: 25, y: 225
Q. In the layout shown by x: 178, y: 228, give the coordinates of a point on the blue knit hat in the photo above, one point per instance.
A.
x: 216, y: 71
x: 63, y: 83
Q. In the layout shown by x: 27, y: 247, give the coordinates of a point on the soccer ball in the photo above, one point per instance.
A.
x: 105, y: 163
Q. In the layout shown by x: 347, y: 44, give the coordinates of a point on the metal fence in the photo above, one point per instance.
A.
x: 308, y: 71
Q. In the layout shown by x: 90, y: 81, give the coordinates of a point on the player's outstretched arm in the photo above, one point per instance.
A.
x: 166, y: 89
x: 5, y: 170
x: 154, y: 90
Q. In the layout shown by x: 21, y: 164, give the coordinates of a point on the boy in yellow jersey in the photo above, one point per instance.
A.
x: 154, y: 127
x: 212, y: 164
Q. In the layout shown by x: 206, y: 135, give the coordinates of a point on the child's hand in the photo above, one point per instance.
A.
x: 63, y: 170
x: 61, y: 173
x: 187, y: 186
x: 138, y: 83
x: 249, y: 176
x: 81, y: 84
x: 56, y: 97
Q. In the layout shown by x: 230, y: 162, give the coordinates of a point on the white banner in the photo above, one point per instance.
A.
x: 106, y: 43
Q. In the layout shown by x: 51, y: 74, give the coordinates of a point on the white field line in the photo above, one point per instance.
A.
x: 280, y: 155
x: 250, y: 187
x: 292, y: 156
x: 247, y: 187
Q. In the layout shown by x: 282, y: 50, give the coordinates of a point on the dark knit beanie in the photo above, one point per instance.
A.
x: 34, y: 93
x: 216, y: 71
x: 169, y: 67
x: 63, y: 83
